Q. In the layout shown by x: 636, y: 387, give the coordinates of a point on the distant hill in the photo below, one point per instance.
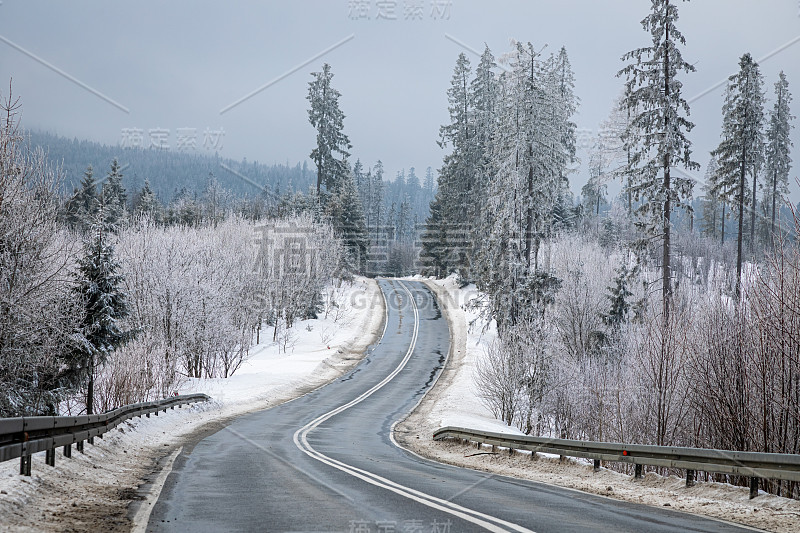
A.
x: 169, y: 171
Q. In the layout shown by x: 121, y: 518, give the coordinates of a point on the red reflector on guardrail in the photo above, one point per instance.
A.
x: 624, y: 452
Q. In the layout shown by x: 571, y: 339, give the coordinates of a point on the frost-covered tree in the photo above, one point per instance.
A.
x: 617, y: 153
x: 779, y: 144
x: 375, y: 204
x: 620, y: 296
x: 742, y: 147
x: 563, y: 81
x: 600, y: 165
x: 84, y: 203
x: 528, y: 167
x: 147, y: 203
x: 328, y: 119
x: 447, y: 243
x: 483, y: 97
x: 37, y: 308
x: 346, y: 215
x: 656, y: 136
x: 215, y: 201
x: 713, y: 206
x: 99, y: 286
x: 114, y: 197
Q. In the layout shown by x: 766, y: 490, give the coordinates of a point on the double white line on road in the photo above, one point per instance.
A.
x: 301, y: 441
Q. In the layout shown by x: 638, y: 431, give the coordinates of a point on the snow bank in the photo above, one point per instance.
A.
x: 92, y: 491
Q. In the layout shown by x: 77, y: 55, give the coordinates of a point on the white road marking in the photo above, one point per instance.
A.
x: 301, y: 441
x: 142, y: 516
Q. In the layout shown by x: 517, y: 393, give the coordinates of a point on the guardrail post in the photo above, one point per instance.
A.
x: 25, y: 465
x: 68, y: 450
x: 637, y: 471
x: 90, y: 440
x: 50, y: 457
x: 689, y: 478
x: 79, y: 446
x: 753, y: 487
x: 597, y: 465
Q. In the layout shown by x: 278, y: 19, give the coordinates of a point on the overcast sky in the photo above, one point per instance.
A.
x: 177, y: 65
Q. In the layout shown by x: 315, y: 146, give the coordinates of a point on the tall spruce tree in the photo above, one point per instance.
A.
x: 447, y: 245
x: 742, y: 146
x: 656, y: 136
x: 375, y: 203
x: 346, y: 214
x: 147, y: 203
x: 99, y: 285
x: 328, y: 120
x: 711, y: 202
x: 84, y: 204
x: 113, y: 196
x: 779, y: 144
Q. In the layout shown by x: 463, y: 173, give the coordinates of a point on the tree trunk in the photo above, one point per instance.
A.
x: 666, y: 282
x: 90, y: 388
x: 723, y: 223
x: 753, y: 215
x: 742, y: 176
x: 774, y: 201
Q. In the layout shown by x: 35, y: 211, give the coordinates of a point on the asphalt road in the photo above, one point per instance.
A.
x: 326, y: 462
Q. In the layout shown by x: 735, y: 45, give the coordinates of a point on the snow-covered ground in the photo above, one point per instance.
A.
x: 92, y: 492
x: 453, y: 402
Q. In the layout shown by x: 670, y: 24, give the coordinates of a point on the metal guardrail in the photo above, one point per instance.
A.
x: 753, y: 465
x: 24, y: 436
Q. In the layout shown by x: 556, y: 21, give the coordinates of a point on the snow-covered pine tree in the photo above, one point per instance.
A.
x: 328, y: 120
x: 375, y: 203
x: 215, y: 200
x: 656, y: 136
x: 566, y: 106
x: 483, y: 96
x: 113, y: 197
x: 447, y: 244
x: 600, y: 166
x: 147, y: 204
x: 619, y: 297
x: 742, y: 146
x: 105, y: 304
x: 362, y: 185
x: 712, y: 204
x: 613, y: 131
x: 779, y: 143
x: 84, y: 204
x: 346, y: 215
x: 528, y: 165
x: 429, y: 185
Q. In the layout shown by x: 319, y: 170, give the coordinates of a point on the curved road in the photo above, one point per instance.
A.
x: 326, y: 462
